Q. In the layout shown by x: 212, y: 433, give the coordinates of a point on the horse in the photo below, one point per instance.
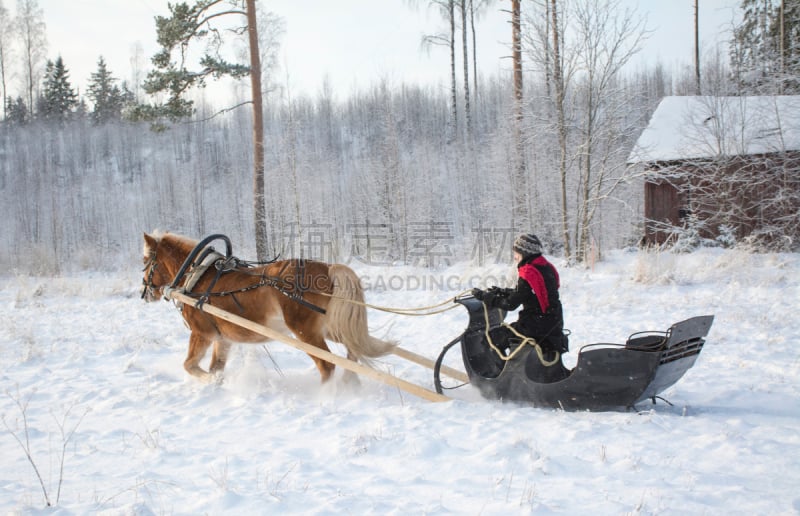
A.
x: 312, y: 299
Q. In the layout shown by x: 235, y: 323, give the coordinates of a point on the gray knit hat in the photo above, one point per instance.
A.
x: 528, y: 245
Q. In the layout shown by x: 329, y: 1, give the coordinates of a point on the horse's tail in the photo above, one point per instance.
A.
x: 347, y: 317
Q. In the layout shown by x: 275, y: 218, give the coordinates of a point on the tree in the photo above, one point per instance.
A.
x: 106, y: 96
x: 58, y: 98
x: 697, y: 47
x: 519, y: 179
x: 607, y: 38
x: 447, y: 9
x: 32, y: 37
x: 192, y: 23
x: 476, y: 8
x: 465, y: 58
x: 5, y: 52
x: 765, y: 48
x: 16, y: 111
x: 560, y: 109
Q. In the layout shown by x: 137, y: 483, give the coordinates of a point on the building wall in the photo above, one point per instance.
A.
x: 749, y: 196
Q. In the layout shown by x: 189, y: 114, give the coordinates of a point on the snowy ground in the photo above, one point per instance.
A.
x: 83, y: 353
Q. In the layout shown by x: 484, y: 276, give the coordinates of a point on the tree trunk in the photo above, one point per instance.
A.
x: 465, y: 53
x: 454, y: 107
x: 519, y: 207
x: 696, y: 48
x: 558, y: 81
x: 474, y: 54
x: 259, y: 208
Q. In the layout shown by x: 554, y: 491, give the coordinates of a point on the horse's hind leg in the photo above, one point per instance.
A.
x: 219, y: 356
x: 198, y: 345
x: 325, y: 368
x: 349, y: 377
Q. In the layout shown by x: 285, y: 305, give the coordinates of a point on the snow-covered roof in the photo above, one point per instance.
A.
x: 705, y: 127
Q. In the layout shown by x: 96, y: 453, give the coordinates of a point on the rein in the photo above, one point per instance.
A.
x: 413, y: 312
x: 524, y: 340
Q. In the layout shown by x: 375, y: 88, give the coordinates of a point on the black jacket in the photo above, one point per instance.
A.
x: 533, y: 321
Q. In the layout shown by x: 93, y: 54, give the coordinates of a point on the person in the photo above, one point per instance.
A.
x: 541, y: 317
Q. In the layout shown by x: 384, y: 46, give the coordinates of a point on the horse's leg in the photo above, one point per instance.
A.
x: 316, y: 340
x: 349, y: 377
x: 198, y: 344
x: 219, y: 356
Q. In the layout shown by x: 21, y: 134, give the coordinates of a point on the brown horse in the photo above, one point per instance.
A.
x: 313, y: 300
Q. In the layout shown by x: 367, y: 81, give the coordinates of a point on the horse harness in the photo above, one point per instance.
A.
x: 197, y: 263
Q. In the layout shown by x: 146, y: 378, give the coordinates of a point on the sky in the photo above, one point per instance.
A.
x: 352, y: 43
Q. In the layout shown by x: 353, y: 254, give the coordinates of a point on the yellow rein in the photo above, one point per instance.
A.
x: 415, y: 312
x: 523, y: 341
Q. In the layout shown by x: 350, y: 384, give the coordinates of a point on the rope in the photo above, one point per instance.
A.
x: 524, y: 339
x: 411, y: 312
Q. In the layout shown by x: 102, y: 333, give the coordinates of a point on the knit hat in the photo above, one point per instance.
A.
x: 528, y: 245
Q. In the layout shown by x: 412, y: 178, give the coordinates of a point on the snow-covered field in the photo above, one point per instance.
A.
x: 97, y: 374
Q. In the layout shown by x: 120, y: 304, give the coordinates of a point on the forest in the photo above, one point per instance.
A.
x: 395, y: 173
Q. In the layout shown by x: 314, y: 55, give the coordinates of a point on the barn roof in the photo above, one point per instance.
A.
x: 685, y: 128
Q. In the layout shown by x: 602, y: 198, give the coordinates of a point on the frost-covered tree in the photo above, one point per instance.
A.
x: 33, y: 42
x: 765, y: 48
x: 16, y: 111
x: 447, y: 8
x: 608, y: 37
x: 579, y: 48
x: 106, y: 96
x: 6, y: 36
x: 58, y: 99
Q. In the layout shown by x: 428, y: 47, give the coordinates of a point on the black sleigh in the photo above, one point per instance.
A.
x: 605, y: 377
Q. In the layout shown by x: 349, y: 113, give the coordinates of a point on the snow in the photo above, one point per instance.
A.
x: 87, y: 354
x: 705, y: 127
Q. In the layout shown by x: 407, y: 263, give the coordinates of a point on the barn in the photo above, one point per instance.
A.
x: 722, y: 168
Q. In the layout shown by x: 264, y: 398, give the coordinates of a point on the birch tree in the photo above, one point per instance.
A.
x: 33, y: 41
x: 559, y: 91
x: 607, y: 37
x: 519, y: 170
x: 6, y: 36
x: 463, y: 7
x: 447, y: 9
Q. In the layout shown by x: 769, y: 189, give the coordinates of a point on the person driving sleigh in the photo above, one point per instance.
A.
x: 541, y: 317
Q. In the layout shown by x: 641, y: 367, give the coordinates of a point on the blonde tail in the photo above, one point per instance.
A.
x: 346, y: 318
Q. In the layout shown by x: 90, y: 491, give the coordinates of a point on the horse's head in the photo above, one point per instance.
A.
x: 155, y: 277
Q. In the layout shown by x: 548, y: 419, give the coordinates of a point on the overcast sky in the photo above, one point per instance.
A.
x: 352, y: 42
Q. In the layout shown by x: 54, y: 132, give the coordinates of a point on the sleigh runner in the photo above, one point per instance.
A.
x: 217, y: 295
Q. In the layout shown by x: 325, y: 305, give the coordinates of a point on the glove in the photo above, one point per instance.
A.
x: 478, y: 294
x: 500, y: 292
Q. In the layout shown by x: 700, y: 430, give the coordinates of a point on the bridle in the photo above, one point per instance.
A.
x: 147, y: 281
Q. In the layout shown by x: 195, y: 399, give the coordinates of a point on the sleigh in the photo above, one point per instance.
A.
x: 606, y: 376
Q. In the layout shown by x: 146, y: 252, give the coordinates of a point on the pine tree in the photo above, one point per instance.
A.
x: 58, y: 98
x: 188, y: 25
x: 765, y: 49
x: 106, y: 96
x: 16, y: 111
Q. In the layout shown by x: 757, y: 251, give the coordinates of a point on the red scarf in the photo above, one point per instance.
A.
x: 531, y: 274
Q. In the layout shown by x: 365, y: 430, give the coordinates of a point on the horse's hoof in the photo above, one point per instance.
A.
x: 351, y: 379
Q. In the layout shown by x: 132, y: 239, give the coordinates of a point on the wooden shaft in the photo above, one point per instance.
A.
x: 311, y: 350
x: 430, y: 364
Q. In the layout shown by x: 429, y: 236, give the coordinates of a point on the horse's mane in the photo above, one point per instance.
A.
x: 180, y: 242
